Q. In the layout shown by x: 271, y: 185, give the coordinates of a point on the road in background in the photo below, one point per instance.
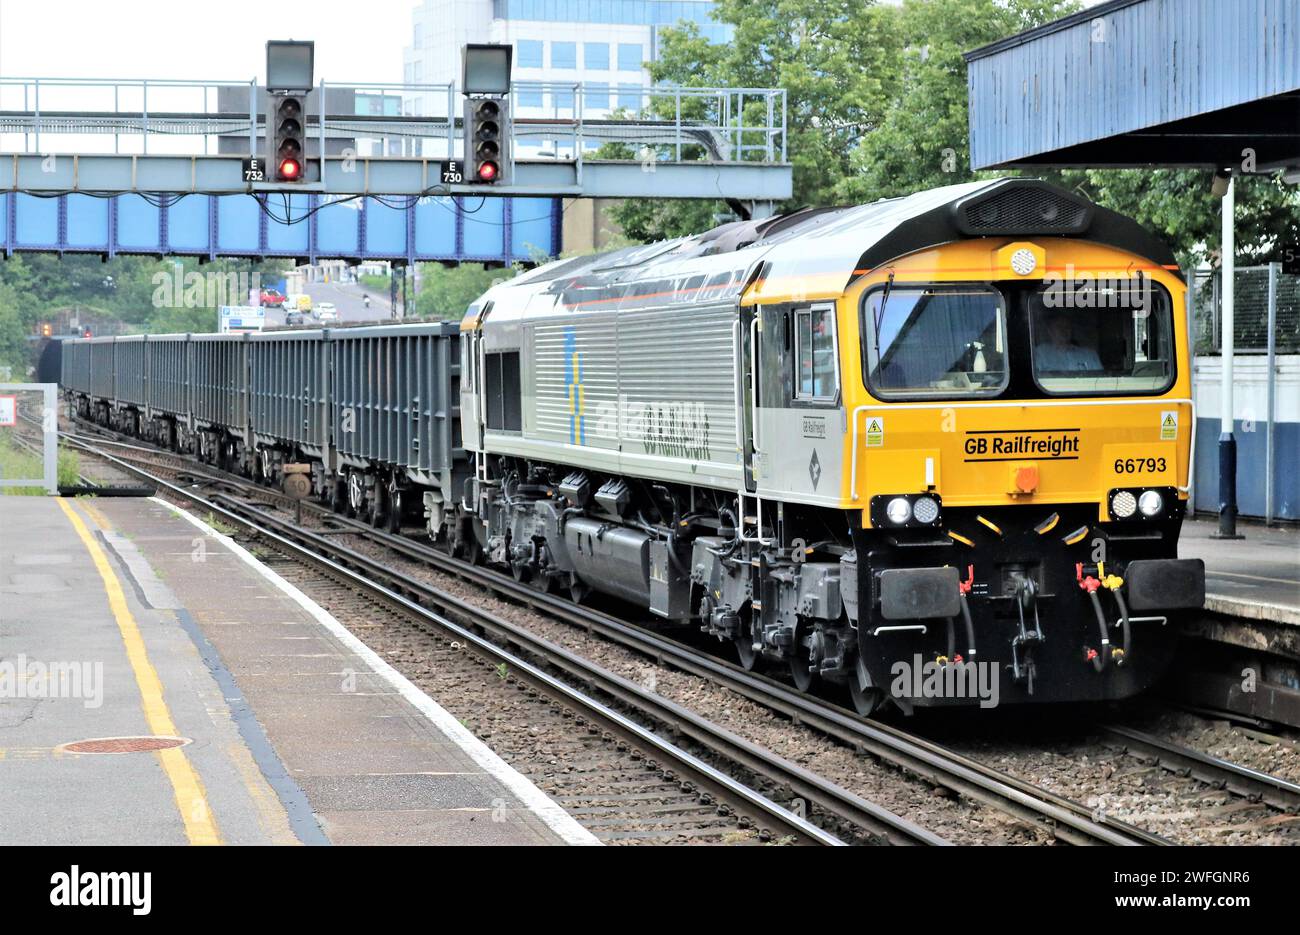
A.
x: 347, y: 298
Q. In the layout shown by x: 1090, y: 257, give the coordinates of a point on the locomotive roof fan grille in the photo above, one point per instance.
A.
x: 1022, y: 207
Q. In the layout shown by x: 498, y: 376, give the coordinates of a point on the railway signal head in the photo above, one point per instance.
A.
x: 486, y: 139
x: 286, y: 138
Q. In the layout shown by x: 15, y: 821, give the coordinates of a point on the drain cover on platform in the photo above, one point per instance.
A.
x: 123, y: 744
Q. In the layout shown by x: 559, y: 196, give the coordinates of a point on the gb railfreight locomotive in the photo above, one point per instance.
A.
x: 918, y: 448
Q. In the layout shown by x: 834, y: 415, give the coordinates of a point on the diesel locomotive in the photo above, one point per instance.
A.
x: 915, y: 448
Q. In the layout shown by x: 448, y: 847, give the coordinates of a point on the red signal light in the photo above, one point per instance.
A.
x: 488, y: 171
x: 290, y: 169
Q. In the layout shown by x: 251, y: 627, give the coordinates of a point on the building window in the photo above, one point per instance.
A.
x: 562, y: 99
x: 630, y: 56
x: 527, y: 95
x: 595, y: 96
x: 629, y: 96
x: 564, y: 55
x: 595, y: 56
x: 528, y: 53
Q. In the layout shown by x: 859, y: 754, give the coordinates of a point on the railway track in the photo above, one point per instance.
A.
x: 1239, y: 780
x: 1067, y: 821
x: 535, y: 661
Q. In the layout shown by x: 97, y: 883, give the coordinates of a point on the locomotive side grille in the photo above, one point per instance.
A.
x: 1023, y: 209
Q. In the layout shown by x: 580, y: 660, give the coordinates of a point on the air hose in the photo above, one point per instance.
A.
x: 1099, y: 658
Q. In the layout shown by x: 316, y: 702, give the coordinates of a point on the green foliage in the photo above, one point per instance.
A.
x: 140, y: 293
x: 923, y: 139
x: 13, y: 331
x: 446, y: 292
x: 1177, y: 205
x: 876, y: 92
x: 374, y: 282
x: 878, y: 107
x: 69, y: 467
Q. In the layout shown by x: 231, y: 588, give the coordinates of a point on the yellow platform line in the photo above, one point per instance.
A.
x: 187, y: 787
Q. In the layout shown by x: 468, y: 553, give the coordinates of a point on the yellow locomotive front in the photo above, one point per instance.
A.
x: 1017, y: 442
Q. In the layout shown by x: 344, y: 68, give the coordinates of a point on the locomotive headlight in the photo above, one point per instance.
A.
x: 1123, y: 505
x: 1151, y: 503
x: 925, y: 510
x: 898, y: 510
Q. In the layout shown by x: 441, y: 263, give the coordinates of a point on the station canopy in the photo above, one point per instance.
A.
x: 1175, y: 83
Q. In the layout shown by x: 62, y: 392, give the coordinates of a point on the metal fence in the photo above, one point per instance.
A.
x: 1261, y: 294
x: 1266, y: 406
x: 28, y: 438
x: 559, y: 120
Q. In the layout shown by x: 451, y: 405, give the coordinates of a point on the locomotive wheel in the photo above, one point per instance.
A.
x: 800, y: 673
x: 802, y: 676
x: 865, y: 700
x: 543, y: 582
x: 744, y: 641
x: 579, y: 590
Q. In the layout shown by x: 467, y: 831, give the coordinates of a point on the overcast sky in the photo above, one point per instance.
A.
x: 199, y: 39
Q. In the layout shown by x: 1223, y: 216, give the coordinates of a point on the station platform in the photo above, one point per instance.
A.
x: 159, y: 685
x: 1256, y: 577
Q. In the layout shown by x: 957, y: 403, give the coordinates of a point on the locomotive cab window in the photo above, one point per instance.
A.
x: 1101, y: 337
x: 935, y: 341
x: 814, y: 351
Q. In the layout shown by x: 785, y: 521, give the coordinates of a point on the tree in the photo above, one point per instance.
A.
x: 445, y: 292
x: 1178, y: 205
x: 836, y: 59
x: 923, y: 141
x: 876, y: 93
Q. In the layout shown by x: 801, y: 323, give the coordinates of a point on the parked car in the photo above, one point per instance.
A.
x: 272, y: 298
x: 326, y: 311
x: 292, y: 317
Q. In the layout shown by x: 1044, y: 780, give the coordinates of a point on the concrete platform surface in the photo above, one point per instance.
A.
x: 1257, y: 576
x: 122, y: 618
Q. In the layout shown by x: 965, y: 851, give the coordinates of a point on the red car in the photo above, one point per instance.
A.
x: 272, y: 298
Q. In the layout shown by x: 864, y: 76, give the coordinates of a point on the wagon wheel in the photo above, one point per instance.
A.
x: 337, y: 491
x: 379, y: 506
x: 356, y: 493
x: 394, y: 524
x: 465, y: 546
